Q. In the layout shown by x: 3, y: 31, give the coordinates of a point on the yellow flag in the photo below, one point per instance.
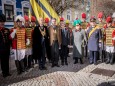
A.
x: 43, y: 9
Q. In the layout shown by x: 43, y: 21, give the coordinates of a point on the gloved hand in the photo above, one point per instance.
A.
x: 13, y: 33
x: 27, y: 42
x: 113, y: 38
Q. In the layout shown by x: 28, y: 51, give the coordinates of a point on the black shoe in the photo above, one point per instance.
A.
x: 62, y: 63
x: 111, y: 63
x: 50, y: 61
x: 95, y: 63
x: 53, y: 65
x: 57, y: 65
x: 76, y: 60
x: 8, y: 74
x: 44, y: 68
x: 81, y: 62
x: 66, y: 63
x: 91, y: 62
x: 18, y: 73
x: 107, y: 62
x: 5, y: 75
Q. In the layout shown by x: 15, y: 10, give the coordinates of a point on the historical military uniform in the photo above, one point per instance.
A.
x: 19, y: 42
x: 84, y: 26
x: 79, y: 37
x: 40, y: 37
x: 55, y: 42
x: 33, y: 25
x: 102, y: 45
x: 110, y: 41
x: 28, y: 58
x: 94, y: 35
x: 4, y: 47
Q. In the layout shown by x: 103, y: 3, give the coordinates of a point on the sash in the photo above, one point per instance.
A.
x: 91, y: 32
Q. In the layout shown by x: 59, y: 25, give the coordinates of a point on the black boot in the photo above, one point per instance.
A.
x: 76, y: 60
x: 22, y: 66
x: 25, y: 60
x: 81, y: 61
x: 17, y: 63
x: 29, y: 61
x: 66, y: 63
x: 62, y: 63
x: 108, y: 58
x: 112, y: 59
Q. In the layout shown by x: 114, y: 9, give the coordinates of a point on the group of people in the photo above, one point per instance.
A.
x: 35, y: 43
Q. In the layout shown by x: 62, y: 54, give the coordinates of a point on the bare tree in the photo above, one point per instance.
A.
x: 61, y: 5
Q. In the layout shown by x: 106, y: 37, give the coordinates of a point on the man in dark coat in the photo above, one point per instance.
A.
x: 4, y: 47
x: 40, y: 38
x: 64, y: 44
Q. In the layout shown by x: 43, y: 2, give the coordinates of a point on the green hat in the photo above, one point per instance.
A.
x: 77, y: 22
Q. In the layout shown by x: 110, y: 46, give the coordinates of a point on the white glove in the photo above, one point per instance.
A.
x: 68, y: 46
x: 113, y: 38
x: 13, y: 33
x: 71, y: 46
x: 27, y: 42
x: 100, y: 44
x: 14, y: 30
x: 59, y: 48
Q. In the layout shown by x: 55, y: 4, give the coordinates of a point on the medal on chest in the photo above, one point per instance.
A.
x: 43, y: 32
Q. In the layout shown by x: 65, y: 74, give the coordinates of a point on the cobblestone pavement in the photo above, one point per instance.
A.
x: 71, y: 75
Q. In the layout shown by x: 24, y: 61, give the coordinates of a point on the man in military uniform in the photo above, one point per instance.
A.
x: 4, y: 46
x: 28, y: 58
x: 33, y: 25
x: 94, y: 35
x: 84, y: 26
x: 110, y: 41
x: 55, y: 42
x: 102, y: 45
x: 39, y: 43
x: 19, y: 42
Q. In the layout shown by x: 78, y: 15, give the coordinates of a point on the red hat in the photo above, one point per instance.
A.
x: 61, y: 19
x: 83, y: 15
x: 100, y: 15
x: 26, y: 18
x: 46, y: 20
x: 33, y: 19
x: 108, y: 19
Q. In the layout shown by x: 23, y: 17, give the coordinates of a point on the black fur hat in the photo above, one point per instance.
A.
x: 2, y: 18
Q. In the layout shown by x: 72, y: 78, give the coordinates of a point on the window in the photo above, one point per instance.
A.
x: 68, y: 17
x: 9, y: 12
x: 26, y: 11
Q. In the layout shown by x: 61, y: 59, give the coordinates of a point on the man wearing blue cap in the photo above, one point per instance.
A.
x: 94, y: 36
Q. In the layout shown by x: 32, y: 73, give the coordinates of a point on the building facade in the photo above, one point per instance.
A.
x: 72, y: 13
x: 12, y: 8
